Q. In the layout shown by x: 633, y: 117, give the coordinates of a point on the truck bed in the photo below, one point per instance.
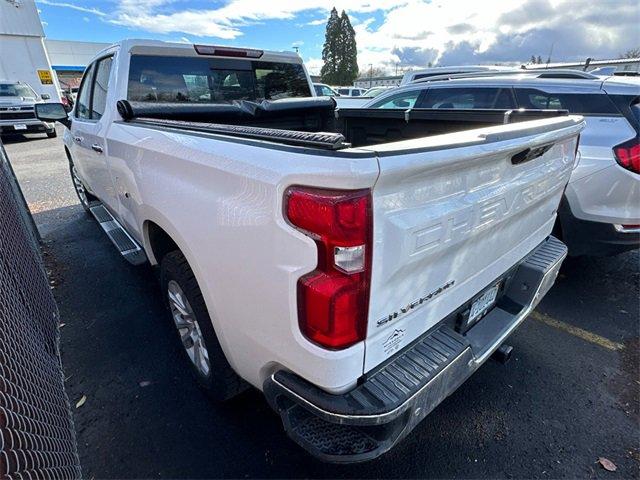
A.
x: 317, y: 123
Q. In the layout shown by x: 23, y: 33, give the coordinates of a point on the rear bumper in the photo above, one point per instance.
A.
x: 367, y: 421
x: 597, y: 239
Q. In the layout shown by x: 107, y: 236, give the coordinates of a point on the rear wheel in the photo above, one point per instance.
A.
x: 195, y: 330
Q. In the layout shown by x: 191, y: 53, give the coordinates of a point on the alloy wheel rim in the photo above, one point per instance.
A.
x: 188, y: 328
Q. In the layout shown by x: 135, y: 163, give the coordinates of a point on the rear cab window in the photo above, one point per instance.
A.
x: 212, y: 80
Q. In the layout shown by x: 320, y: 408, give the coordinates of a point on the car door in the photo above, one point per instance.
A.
x: 81, y: 121
x: 89, y: 129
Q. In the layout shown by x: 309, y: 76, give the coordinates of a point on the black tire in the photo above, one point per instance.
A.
x: 221, y: 383
x: 85, y: 202
x: 52, y: 133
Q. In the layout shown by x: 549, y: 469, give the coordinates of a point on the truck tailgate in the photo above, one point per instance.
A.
x: 453, y: 213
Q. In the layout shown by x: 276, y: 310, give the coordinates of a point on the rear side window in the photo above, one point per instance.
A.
x: 468, y: 98
x: 100, y: 84
x: 582, y: 103
x: 209, y: 80
x: 635, y: 110
x: 343, y: 91
x: 356, y: 93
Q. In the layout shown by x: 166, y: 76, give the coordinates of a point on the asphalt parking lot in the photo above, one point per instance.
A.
x: 570, y: 395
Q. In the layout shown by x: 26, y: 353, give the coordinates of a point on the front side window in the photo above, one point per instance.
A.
x: 212, y: 80
x: 84, y: 94
x: 468, y: 98
x: 401, y: 100
x: 100, y: 84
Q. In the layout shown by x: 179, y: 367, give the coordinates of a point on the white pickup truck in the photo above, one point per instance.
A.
x: 354, y: 265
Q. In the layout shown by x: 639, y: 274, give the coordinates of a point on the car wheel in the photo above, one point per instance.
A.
x: 197, y: 337
x: 85, y: 197
x: 52, y: 133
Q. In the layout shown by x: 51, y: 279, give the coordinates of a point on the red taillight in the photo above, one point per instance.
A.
x: 628, y: 154
x: 228, y: 51
x: 333, y: 300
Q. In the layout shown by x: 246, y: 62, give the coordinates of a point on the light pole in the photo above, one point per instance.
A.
x: 370, y: 75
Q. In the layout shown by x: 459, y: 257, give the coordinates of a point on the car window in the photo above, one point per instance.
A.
x: 583, y: 103
x: 100, y: 84
x: 468, y: 98
x: 400, y: 100
x: 84, y: 94
x: 16, y: 90
x: 343, y: 91
x: 356, y: 93
x: 209, y: 80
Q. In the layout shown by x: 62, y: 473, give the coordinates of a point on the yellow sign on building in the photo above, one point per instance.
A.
x: 45, y: 77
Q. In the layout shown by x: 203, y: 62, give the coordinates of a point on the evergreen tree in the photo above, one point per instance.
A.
x: 539, y: 60
x: 348, y: 64
x: 339, y: 53
x: 533, y: 59
x: 330, y: 49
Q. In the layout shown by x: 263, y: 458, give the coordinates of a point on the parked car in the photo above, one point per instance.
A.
x: 375, y: 91
x: 600, y: 211
x: 356, y: 280
x: 414, y: 75
x: 323, y: 90
x: 350, y: 91
x: 17, y: 114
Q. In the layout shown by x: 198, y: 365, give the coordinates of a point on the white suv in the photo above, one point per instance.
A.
x: 600, y: 211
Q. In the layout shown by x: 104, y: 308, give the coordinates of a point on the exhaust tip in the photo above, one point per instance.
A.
x: 503, y: 354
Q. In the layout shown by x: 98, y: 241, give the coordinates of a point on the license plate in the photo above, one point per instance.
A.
x: 19, y: 126
x: 483, y: 303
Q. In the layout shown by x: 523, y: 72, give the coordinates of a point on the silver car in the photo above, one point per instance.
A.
x: 17, y: 114
x: 600, y: 211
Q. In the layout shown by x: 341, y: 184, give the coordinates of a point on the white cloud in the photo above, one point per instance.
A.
x: 73, y: 6
x: 314, y: 65
x: 409, y: 32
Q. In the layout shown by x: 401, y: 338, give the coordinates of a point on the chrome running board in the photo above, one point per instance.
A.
x: 126, y: 245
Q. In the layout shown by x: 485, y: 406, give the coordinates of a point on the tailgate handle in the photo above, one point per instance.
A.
x: 529, y: 154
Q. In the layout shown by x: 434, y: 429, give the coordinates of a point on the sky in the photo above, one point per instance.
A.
x: 395, y: 35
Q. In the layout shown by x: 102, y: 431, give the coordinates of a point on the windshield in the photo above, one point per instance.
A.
x: 213, y: 80
x: 16, y: 90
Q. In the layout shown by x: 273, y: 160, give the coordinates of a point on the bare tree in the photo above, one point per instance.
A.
x: 631, y: 53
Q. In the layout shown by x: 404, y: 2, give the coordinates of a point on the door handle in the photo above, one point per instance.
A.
x: 97, y: 148
x: 77, y: 139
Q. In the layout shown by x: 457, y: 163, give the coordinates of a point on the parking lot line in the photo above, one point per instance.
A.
x: 577, y: 332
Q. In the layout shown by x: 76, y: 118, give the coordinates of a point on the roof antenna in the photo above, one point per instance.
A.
x: 549, y: 57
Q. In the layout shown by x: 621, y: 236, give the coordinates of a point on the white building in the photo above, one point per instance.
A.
x: 23, y: 55
x: 69, y: 59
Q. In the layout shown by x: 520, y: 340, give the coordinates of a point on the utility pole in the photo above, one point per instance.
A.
x: 296, y: 48
x: 370, y: 75
x: 397, y: 65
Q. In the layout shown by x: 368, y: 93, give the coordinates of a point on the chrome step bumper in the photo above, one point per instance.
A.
x: 367, y: 421
x: 126, y: 245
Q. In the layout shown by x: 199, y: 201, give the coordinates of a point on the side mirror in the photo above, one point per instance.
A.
x: 45, y: 96
x: 52, y: 112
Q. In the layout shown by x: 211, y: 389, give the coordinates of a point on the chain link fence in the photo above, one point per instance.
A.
x: 37, y: 437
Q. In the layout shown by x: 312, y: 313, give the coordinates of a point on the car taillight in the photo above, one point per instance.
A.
x: 628, y: 154
x: 333, y: 300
